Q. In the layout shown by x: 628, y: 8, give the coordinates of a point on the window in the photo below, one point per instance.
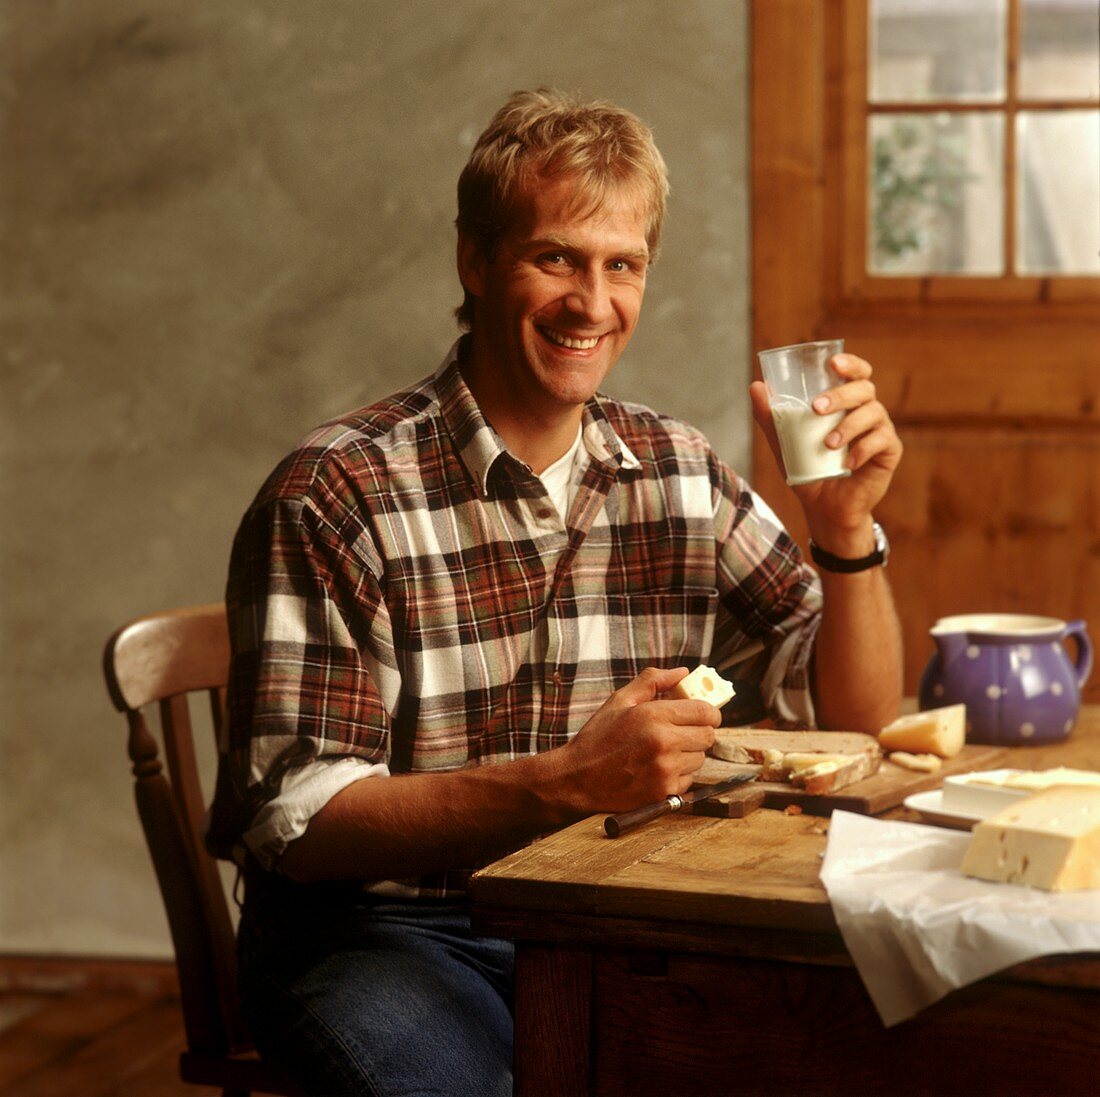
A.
x: 971, y: 147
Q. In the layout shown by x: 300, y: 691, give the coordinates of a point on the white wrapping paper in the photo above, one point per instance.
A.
x: 916, y: 928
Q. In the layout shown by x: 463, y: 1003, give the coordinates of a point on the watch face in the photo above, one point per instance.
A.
x: 881, y: 543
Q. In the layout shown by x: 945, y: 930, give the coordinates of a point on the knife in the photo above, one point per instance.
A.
x: 614, y: 825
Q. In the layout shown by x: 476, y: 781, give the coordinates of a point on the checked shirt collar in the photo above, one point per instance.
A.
x: 480, y: 447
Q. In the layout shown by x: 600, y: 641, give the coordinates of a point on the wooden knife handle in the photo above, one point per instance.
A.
x: 614, y: 825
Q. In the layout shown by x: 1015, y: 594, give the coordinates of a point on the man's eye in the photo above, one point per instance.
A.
x: 554, y: 259
x: 625, y: 266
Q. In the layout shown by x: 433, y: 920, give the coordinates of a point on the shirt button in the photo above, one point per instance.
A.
x: 558, y: 678
x: 544, y: 512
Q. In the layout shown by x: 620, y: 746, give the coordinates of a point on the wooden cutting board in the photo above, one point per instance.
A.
x: 885, y: 790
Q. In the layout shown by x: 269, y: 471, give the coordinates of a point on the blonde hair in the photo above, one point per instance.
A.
x: 545, y: 134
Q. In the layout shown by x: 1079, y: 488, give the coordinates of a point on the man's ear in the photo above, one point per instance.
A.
x: 471, y: 266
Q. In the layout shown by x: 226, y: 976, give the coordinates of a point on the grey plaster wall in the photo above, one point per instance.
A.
x: 223, y: 222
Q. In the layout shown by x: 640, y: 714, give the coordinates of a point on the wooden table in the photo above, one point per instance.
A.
x: 700, y: 956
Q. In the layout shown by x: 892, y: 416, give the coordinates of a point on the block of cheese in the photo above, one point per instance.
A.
x: 940, y: 731
x: 1050, y: 840
x: 704, y: 684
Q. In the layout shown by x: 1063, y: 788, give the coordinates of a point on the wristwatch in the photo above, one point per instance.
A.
x: 847, y: 565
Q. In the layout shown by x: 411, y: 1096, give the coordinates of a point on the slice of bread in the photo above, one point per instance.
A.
x: 816, y: 761
x: 749, y: 744
x: 836, y: 772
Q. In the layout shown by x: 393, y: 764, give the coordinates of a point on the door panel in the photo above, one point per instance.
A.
x: 996, y: 506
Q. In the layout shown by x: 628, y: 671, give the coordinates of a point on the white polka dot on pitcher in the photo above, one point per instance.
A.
x: 1024, y: 652
x: 1056, y: 688
x: 1027, y: 730
x: 993, y: 692
x: 973, y: 651
x: 1068, y: 727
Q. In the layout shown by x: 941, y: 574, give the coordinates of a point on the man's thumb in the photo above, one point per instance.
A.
x: 652, y: 682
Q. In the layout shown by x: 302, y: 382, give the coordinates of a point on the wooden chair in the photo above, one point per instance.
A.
x: 163, y: 658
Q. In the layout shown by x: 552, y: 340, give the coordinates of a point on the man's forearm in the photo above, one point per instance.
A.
x: 858, y: 653
x: 414, y: 824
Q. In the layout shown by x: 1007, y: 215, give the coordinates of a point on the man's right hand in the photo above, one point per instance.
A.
x: 639, y: 747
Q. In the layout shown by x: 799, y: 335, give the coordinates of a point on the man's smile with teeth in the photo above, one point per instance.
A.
x: 568, y: 341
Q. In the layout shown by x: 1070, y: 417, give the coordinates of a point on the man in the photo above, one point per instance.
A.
x: 455, y: 615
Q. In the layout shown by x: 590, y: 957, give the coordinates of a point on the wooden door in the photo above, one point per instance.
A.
x: 994, y: 382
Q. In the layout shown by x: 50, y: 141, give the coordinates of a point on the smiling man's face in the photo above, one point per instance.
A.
x: 555, y: 306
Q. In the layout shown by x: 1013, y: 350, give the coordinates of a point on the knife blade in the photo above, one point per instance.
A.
x: 614, y: 825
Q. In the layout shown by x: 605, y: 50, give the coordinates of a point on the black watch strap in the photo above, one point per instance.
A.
x: 846, y: 565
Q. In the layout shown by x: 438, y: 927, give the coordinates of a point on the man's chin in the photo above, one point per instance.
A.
x: 576, y: 389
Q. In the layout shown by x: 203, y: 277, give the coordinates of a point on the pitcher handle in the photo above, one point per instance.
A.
x: 1083, y: 665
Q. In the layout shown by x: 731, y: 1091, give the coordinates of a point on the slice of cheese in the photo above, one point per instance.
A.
x: 704, y: 684
x: 794, y: 761
x: 1050, y: 840
x: 835, y: 773
x: 940, y: 731
x: 919, y: 763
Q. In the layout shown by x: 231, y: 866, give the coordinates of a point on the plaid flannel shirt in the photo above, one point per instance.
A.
x: 404, y: 597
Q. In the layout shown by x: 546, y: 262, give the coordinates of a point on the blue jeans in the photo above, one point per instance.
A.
x: 355, y: 995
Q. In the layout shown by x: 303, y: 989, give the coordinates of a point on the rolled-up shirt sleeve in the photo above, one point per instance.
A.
x: 303, y: 791
x: 313, y: 680
x: 770, y: 602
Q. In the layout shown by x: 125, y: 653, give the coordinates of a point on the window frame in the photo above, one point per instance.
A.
x: 847, y: 80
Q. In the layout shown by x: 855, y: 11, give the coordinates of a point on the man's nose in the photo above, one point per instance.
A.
x: 590, y: 298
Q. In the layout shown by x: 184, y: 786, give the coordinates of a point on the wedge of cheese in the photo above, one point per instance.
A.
x: 940, y: 731
x: 704, y: 684
x: 1050, y: 840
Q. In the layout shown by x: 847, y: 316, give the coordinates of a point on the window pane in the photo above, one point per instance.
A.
x: 936, y: 201
x: 1060, y: 49
x: 925, y: 50
x: 1058, y: 192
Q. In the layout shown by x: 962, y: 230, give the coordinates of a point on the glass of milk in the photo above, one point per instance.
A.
x: 795, y: 376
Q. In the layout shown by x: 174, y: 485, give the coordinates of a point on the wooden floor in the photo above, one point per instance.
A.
x: 92, y: 1036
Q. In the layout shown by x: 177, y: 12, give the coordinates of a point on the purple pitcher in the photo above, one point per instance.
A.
x: 1013, y: 674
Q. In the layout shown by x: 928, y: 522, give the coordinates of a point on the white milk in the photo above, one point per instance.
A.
x: 802, y: 435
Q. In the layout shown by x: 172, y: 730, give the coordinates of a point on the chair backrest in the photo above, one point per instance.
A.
x: 160, y: 660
